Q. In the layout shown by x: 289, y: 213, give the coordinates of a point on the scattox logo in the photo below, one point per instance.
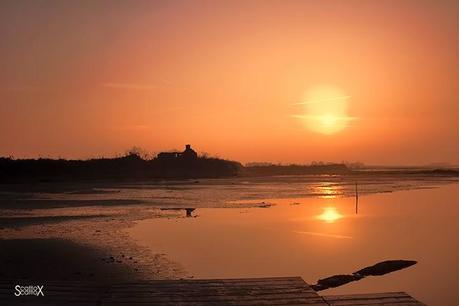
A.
x: 28, y: 290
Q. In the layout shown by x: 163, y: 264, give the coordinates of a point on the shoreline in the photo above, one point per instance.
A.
x: 80, y: 247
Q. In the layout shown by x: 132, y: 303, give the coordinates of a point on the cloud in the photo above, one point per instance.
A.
x: 23, y: 88
x: 337, y: 118
x: 131, y: 86
x: 136, y: 127
x: 323, y: 100
x: 323, y: 235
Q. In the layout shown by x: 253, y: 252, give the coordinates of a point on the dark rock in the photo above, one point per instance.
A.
x: 385, y: 267
x: 335, y: 281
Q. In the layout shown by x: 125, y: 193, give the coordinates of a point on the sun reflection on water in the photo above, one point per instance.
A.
x: 330, y: 215
x: 327, y: 190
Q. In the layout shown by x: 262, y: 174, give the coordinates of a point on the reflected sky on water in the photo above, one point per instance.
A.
x: 321, y: 236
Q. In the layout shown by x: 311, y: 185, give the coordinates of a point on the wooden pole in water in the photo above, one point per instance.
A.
x: 356, y: 199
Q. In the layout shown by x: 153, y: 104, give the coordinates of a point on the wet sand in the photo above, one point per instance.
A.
x: 86, y: 244
x: 35, y: 260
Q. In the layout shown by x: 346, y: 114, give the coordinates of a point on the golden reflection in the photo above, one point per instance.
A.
x: 330, y: 215
x: 323, y: 235
x: 327, y: 191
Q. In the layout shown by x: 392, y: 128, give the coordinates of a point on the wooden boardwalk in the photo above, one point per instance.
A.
x: 254, y: 291
x: 388, y: 298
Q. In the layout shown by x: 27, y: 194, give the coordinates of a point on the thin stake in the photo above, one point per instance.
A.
x: 356, y: 199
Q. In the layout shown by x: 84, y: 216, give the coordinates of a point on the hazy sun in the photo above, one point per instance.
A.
x: 325, y: 109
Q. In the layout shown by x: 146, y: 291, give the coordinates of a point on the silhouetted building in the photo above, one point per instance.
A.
x: 189, y: 153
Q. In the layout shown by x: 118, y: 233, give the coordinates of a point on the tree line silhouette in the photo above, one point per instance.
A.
x: 130, y: 166
x: 137, y: 166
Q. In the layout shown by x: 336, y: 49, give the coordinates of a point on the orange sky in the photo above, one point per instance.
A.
x: 92, y: 78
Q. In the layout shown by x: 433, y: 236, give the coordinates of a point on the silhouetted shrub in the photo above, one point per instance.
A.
x: 131, y: 166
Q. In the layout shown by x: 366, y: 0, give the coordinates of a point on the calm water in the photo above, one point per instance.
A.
x: 317, y: 234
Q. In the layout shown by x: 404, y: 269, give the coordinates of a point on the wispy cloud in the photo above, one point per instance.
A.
x: 324, y: 235
x: 23, y: 88
x: 134, y: 128
x: 336, y: 118
x: 131, y: 86
x: 323, y: 100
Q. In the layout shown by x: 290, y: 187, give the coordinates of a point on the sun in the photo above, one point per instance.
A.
x: 328, y: 120
x: 325, y: 109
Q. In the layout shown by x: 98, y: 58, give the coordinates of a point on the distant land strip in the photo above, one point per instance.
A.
x: 133, y: 167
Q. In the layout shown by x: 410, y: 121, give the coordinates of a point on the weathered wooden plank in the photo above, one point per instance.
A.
x: 179, y: 283
x: 366, y: 295
x: 218, y: 302
x: 194, y: 281
x: 172, y: 288
x: 48, y: 303
x: 222, y: 301
x: 375, y: 303
x: 176, y: 286
x: 216, y: 282
x: 211, y: 293
x: 214, y: 296
x: 254, y: 291
x: 216, y: 286
x: 389, y: 298
x: 190, y: 286
x: 277, y: 291
x: 183, y: 296
x: 244, y: 290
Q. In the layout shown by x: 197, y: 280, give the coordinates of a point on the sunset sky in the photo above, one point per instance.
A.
x: 279, y: 81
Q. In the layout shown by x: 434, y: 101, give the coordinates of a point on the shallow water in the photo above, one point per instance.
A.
x: 319, y: 236
x: 222, y: 192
